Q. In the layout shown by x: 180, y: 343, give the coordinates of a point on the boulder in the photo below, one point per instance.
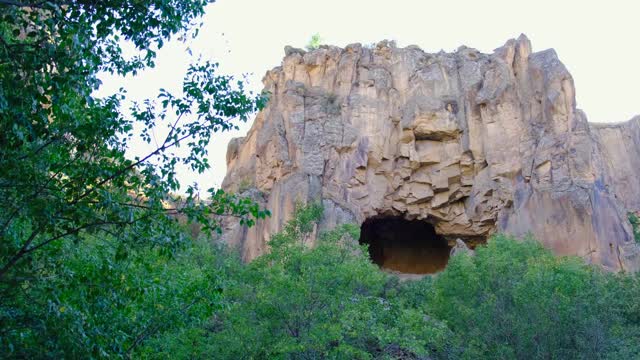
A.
x: 460, y: 248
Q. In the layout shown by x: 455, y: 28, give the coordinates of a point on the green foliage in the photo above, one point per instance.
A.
x: 89, y: 302
x: 295, y: 231
x: 511, y: 300
x: 85, y: 229
x: 635, y: 224
x: 516, y: 300
x: 326, y: 301
x: 63, y: 166
x: 314, y: 42
x: 94, y: 263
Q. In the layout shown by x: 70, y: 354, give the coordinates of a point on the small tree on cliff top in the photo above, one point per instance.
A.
x: 314, y: 42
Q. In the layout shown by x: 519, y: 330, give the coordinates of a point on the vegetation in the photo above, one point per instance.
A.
x: 306, y: 302
x: 314, y: 42
x: 93, y: 304
x: 85, y: 229
x: 512, y: 299
x: 635, y: 224
x: 516, y: 300
x: 96, y: 260
x: 63, y: 164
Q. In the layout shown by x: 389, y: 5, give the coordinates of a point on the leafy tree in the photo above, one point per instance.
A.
x: 302, y: 302
x: 314, y: 42
x: 93, y: 305
x: 511, y: 300
x: 63, y: 164
x: 517, y: 300
x: 94, y: 262
x: 64, y: 174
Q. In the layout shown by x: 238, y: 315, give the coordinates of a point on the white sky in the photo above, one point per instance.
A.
x: 598, y: 41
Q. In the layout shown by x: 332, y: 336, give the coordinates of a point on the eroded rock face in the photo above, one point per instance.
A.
x: 472, y: 143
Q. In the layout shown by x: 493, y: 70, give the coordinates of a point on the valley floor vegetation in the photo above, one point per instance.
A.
x: 512, y: 299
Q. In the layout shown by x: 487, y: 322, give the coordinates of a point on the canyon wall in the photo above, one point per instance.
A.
x: 472, y: 143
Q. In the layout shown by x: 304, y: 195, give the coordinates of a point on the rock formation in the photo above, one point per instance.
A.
x: 471, y: 143
x: 461, y: 248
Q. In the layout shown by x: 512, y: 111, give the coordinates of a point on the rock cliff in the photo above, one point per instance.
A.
x: 471, y: 143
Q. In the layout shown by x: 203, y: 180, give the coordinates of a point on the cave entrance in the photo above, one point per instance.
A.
x: 405, y: 246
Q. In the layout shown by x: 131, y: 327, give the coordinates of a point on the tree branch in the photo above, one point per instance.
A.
x: 20, y: 253
x: 127, y: 168
x: 40, y: 148
x: 38, y: 191
x: 27, y: 248
x: 153, y: 326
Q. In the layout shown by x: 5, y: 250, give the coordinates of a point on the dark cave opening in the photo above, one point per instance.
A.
x: 405, y: 246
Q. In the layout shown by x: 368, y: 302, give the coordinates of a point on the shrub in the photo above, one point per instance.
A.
x: 516, y: 300
x: 513, y: 299
x: 314, y: 42
x: 635, y: 224
x: 326, y: 301
x: 94, y: 303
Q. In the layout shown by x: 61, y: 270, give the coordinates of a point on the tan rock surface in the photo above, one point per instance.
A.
x: 473, y: 143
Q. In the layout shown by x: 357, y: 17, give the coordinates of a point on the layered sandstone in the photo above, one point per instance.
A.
x: 472, y: 143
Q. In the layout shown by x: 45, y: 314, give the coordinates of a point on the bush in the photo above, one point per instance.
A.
x: 511, y: 300
x: 92, y: 303
x: 314, y: 42
x: 635, y: 224
x: 516, y: 300
x: 328, y: 301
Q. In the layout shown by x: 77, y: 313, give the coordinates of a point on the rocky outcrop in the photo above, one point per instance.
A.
x: 460, y: 247
x: 472, y: 143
